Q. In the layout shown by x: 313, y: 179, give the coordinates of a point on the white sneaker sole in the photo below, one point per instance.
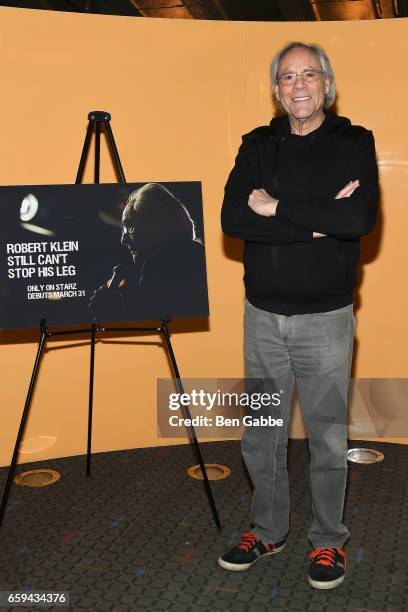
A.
x: 332, y: 584
x: 239, y: 567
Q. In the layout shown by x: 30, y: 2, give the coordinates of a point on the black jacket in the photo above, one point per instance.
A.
x: 287, y: 271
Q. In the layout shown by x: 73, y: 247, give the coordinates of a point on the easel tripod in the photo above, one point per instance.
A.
x: 96, y: 121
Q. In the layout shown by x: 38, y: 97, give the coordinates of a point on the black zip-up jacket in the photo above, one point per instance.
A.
x: 287, y: 271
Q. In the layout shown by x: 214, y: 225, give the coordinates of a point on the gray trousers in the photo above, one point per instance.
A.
x: 315, y: 350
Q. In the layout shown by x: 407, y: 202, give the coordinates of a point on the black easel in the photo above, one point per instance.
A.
x: 97, y: 120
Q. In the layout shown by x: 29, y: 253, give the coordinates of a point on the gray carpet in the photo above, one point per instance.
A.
x: 139, y: 535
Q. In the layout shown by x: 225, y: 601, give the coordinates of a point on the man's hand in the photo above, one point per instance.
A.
x: 262, y: 203
x: 348, y: 190
x: 265, y: 205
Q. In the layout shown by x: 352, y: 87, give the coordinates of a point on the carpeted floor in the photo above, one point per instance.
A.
x: 139, y: 535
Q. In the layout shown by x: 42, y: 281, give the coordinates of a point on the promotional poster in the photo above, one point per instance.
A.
x: 74, y: 254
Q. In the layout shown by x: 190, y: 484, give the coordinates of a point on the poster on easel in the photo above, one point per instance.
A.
x: 99, y: 253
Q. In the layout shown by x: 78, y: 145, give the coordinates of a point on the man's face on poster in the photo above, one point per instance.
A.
x: 130, y: 238
x: 141, y: 234
x: 157, y: 222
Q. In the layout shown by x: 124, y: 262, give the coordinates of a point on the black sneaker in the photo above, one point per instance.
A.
x: 247, y: 552
x: 328, y: 568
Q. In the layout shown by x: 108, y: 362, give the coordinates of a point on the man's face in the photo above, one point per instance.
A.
x: 129, y: 238
x: 138, y: 234
x: 301, y: 100
x: 142, y: 234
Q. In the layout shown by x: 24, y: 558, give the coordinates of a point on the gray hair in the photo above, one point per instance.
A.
x: 158, y: 205
x: 324, y: 65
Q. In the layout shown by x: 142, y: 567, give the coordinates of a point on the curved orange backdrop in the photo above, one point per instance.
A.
x: 181, y: 93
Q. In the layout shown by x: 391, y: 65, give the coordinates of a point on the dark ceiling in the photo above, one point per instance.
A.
x: 246, y: 10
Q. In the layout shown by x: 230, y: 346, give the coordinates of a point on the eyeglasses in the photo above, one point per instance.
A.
x: 128, y: 230
x: 308, y: 76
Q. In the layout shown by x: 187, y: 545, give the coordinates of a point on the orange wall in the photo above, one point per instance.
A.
x: 181, y: 93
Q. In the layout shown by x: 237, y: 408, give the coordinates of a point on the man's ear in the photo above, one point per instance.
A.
x: 276, y: 91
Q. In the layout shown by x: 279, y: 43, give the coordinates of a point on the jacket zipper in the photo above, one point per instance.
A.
x: 275, y: 195
x: 275, y: 185
x: 342, y: 262
x: 275, y: 192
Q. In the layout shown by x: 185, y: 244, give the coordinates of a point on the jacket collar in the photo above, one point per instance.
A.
x: 332, y: 124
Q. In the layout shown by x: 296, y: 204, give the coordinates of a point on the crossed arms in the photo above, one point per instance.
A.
x: 254, y: 215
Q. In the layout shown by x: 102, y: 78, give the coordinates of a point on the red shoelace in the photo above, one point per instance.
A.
x: 248, y: 540
x: 325, y: 556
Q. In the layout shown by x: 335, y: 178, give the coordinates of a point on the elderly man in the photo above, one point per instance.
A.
x: 302, y: 192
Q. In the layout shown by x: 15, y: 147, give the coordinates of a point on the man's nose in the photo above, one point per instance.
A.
x: 123, y: 238
x: 299, y: 81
